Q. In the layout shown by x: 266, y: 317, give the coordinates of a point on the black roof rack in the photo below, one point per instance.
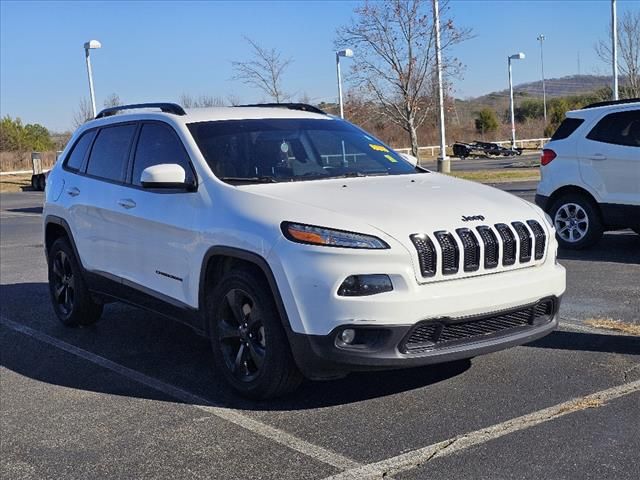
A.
x: 165, y: 107
x: 612, y: 102
x: 291, y: 106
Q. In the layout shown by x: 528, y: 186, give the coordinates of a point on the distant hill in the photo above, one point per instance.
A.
x: 555, y: 87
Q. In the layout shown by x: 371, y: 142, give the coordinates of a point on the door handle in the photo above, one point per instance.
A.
x: 598, y: 156
x: 73, y: 191
x: 126, y: 203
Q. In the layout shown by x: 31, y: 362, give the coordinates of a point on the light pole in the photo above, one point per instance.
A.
x: 544, y: 91
x: 347, y: 52
x: 443, y: 162
x: 91, y: 45
x: 614, y: 48
x: 516, y: 56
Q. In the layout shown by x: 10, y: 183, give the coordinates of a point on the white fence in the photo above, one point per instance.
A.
x: 435, y: 149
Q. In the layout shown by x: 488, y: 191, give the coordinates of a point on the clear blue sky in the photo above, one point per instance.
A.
x: 158, y: 50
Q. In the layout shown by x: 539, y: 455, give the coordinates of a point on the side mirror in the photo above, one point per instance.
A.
x: 409, y: 158
x: 165, y: 175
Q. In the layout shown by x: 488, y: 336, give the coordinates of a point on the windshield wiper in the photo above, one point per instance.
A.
x: 262, y: 179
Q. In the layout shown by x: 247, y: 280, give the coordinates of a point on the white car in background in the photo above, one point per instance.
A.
x: 298, y: 243
x: 591, y: 173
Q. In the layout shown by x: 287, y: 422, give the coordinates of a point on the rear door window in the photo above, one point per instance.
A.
x: 621, y: 128
x: 79, y: 152
x: 159, y: 144
x: 110, y: 152
x: 566, y: 128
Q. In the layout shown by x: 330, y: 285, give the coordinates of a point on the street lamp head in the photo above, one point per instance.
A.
x: 347, y: 52
x: 92, y: 44
x: 517, y: 56
x: 540, y: 37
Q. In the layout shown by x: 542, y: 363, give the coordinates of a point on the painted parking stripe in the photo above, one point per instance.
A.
x: 416, y: 458
x: 234, y: 416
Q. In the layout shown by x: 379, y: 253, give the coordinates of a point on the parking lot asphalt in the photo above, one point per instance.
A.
x: 136, y: 396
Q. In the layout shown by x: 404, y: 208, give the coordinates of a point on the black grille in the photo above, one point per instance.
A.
x: 431, y: 334
x: 525, y: 241
x: 427, y: 255
x: 491, y: 246
x: 450, y: 253
x: 471, y: 250
x: 540, y: 238
x: 508, y: 244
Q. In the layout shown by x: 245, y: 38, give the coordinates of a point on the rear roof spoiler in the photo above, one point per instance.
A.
x: 612, y: 102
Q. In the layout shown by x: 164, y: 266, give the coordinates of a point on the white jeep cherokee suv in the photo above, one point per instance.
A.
x: 298, y: 243
x: 591, y: 173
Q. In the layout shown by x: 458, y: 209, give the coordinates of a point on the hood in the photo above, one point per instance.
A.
x: 401, y: 205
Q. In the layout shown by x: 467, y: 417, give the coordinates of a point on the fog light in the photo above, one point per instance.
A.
x: 348, y: 335
x: 361, y: 285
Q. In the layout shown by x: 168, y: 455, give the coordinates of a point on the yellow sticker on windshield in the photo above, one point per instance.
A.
x: 378, y: 148
x: 391, y: 159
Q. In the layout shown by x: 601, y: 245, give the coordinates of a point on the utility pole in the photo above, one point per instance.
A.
x: 544, y: 91
x: 444, y: 163
x: 614, y: 48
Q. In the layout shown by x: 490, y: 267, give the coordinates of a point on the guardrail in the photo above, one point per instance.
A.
x: 434, y: 149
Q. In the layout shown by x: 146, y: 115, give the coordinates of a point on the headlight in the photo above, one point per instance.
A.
x: 328, y: 237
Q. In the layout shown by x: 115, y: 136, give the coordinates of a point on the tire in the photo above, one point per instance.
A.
x: 41, y: 182
x: 70, y: 296
x: 34, y: 182
x: 249, y: 344
x: 577, y: 221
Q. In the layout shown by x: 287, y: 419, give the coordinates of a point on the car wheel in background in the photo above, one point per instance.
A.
x: 70, y: 296
x: 577, y: 221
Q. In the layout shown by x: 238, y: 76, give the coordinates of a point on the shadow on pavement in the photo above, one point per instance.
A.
x: 618, y: 247
x: 589, y: 342
x: 168, y: 351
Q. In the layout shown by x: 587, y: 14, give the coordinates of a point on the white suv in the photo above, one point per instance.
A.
x: 591, y: 173
x: 283, y: 234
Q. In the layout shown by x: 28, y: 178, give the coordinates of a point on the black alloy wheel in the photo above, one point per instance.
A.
x: 241, y: 335
x: 63, y: 283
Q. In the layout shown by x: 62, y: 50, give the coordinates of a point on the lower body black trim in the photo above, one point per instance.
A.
x: 616, y: 215
x: 542, y: 202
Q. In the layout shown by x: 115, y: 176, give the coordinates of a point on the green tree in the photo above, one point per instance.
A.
x: 16, y: 137
x: 530, y: 108
x: 486, y: 121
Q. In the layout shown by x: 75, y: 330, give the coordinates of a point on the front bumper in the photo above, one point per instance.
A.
x: 322, y: 356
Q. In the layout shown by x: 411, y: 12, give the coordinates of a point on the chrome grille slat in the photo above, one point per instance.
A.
x: 471, y: 250
x: 508, y: 244
x: 427, y: 255
x: 540, y: 238
x: 491, y: 246
x: 525, y: 241
x: 450, y: 253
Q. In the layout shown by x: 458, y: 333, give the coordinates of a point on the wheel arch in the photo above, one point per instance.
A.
x: 220, y: 259
x: 54, y: 228
x: 567, y: 189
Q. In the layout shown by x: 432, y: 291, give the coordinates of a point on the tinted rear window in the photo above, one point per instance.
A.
x: 621, y: 128
x: 566, y: 128
x: 76, y: 158
x: 110, y: 152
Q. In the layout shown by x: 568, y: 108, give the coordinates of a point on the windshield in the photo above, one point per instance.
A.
x: 274, y: 150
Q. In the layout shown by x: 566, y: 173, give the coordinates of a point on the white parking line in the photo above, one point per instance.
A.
x: 416, y: 458
x: 234, y: 416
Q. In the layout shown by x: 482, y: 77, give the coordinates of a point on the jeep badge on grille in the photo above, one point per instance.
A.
x: 471, y: 218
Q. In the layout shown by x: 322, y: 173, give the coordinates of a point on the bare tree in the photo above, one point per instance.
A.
x: 395, y: 61
x: 83, y: 114
x: 628, y: 52
x: 112, y: 100
x: 203, y: 101
x: 264, y: 71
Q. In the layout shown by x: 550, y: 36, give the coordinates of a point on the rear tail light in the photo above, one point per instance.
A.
x: 547, y: 156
